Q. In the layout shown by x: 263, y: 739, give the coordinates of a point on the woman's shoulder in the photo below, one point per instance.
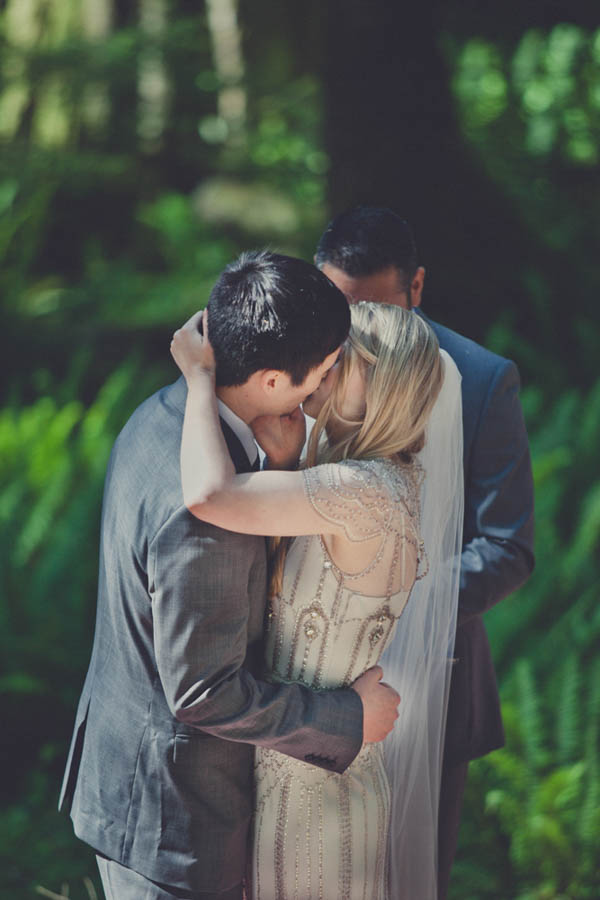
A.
x: 391, y: 470
x: 369, y: 497
x: 389, y: 481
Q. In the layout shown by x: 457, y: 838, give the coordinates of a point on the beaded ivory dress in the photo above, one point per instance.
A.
x: 319, y: 834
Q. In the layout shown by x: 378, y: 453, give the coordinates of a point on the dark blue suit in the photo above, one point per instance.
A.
x: 497, y: 554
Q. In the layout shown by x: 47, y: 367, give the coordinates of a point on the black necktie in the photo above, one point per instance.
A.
x: 239, y: 457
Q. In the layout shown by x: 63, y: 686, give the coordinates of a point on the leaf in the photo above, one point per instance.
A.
x: 568, y: 713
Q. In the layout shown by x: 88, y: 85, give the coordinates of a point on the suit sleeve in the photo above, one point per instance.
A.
x: 199, y: 588
x: 498, y: 551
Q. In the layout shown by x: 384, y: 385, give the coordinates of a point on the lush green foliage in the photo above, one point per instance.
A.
x: 533, y: 809
x: 53, y: 462
x: 556, y: 612
x: 531, y: 113
x: 551, y: 81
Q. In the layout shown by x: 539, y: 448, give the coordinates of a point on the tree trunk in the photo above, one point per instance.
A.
x: 393, y: 140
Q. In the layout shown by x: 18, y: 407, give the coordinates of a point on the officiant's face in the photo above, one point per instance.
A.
x: 385, y: 286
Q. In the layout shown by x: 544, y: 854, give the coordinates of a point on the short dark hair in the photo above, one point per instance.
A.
x: 367, y: 239
x: 269, y: 311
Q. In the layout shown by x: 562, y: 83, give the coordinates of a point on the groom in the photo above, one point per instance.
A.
x: 370, y: 254
x: 159, y: 775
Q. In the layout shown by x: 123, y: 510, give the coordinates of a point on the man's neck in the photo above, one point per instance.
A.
x: 238, y: 401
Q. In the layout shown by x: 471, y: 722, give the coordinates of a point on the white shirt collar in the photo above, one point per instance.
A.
x: 242, y: 431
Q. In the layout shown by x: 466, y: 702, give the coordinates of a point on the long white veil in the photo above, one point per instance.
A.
x: 418, y: 662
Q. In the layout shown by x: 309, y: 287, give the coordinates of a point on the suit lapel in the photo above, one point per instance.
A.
x: 236, y: 449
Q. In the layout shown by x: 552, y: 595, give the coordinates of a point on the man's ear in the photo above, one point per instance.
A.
x: 416, y: 287
x: 269, y: 380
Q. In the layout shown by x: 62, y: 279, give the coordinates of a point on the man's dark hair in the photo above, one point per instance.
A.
x: 269, y: 311
x: 367, y: 239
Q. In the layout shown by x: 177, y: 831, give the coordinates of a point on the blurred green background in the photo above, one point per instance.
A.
x: 144, y: 144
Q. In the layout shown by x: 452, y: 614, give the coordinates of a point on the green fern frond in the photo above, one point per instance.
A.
x: 568, y: 712
x: 559, y: 423
x: 589, y: 820
x: 586, y: 540
x: 589, y: 428
x: 532, y: 727
x: 561, y: 790
x: 42, y: 513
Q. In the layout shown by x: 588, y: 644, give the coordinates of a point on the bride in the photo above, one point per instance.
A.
x: 364, y: 569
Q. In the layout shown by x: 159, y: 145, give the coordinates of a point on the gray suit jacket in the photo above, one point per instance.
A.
x: 497, y: 552
x: 159, y: 774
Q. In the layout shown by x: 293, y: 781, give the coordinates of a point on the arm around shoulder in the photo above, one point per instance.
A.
x: 198, y: 583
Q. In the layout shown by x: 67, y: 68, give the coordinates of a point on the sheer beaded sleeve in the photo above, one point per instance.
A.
x: 350, y: 495
x: 366, y: 497
x: 373, y: 499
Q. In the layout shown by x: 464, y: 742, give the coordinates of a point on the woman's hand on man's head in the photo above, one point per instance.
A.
x: 192, y: 350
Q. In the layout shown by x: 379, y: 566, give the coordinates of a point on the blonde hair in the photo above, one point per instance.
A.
x: 399, y: 357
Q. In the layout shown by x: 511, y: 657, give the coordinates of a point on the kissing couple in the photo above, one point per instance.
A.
x: 234, y: 732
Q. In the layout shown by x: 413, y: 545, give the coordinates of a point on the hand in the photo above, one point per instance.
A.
x: 192, y: 350
x: 380, y: 705
x: 281, y: 437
